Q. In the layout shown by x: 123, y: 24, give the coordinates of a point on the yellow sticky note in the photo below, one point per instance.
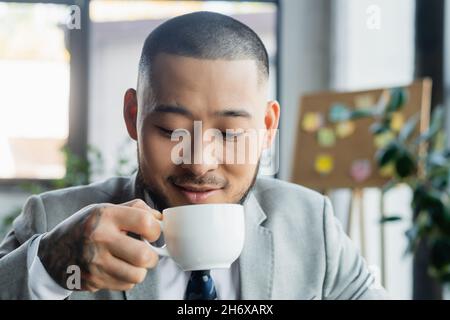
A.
x: 345, y: 129
x: 326, y: 137
x: 382, y: 139
x: 324, y: 164
x: 364, y: 101
x: 312, y: 121
x: 387, y: 171
x: 397, y: 121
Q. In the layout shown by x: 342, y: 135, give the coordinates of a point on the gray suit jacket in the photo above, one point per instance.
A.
x: 294, y: 246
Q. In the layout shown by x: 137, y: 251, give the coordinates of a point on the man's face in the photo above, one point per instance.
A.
x: 215, y: 94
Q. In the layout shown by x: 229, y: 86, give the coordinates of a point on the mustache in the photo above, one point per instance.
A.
x: 208, y: 179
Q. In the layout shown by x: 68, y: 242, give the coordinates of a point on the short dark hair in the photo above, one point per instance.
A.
x: 204, y: 35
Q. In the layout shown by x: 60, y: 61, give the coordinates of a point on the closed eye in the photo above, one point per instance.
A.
x: 165, y: 132
x: 231, y: 135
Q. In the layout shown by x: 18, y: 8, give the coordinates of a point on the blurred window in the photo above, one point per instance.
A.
x: 35, y: 73
x: 34, y: 90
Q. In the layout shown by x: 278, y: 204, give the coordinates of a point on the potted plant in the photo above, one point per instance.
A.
x: 422, y: 162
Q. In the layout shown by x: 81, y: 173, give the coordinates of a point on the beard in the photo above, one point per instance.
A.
x: 161, y: 201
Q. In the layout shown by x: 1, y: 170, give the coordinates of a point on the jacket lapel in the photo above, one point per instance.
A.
x: 257, y: 258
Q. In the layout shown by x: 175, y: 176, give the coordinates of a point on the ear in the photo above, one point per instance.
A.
x: 271, y: 120
x: 130, y: 110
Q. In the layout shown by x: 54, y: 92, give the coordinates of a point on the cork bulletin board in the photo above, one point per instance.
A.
x: 328, y: 156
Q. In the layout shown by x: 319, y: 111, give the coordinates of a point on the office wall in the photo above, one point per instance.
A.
x: 366, y: 54
x: 328, y: 45
x: 304, y: 65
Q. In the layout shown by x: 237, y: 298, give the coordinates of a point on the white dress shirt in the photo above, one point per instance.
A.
x: 171, y: 285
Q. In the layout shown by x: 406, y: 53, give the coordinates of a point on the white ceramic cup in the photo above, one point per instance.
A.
x: 202, y: 236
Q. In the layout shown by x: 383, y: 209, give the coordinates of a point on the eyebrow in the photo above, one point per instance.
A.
x: 234, y: 113
x: 164, y: 108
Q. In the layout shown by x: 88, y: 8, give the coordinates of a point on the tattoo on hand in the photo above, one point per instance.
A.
x: 71, y: 244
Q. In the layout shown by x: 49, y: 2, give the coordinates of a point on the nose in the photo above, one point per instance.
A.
x: 204, y: 158
x: 199, y: 169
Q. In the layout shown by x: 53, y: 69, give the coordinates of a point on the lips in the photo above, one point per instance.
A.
x: 195, y: 193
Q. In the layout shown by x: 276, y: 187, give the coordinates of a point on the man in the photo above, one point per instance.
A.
x: 209, y: 68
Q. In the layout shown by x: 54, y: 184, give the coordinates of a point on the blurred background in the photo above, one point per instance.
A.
x: 65, y: 65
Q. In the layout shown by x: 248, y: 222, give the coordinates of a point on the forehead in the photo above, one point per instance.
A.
x: 203, y: 83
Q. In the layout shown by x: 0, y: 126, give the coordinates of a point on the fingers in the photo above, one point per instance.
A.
x: 134, y: 252
x: 113, y: 274
x: 137, y: 221
x: 138, y: 203
x: 122, y: 271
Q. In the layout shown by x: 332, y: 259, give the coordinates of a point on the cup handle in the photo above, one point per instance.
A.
x: 162, y: 251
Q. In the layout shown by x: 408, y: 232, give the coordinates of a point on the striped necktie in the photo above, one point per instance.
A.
x: 200, y: 286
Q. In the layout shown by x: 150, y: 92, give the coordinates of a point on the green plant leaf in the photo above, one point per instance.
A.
x: 437, y: 159
x: 424, y: 224
x: 397, y: 99
x: 419, y: 194
x: 390, y: 219
x: 442, y: 273
x: 379, y: 127
x: 405, y: 164
x: 413, y: 236
x: 435, y: 204
x: 387, y: 154
x: 440, y: 141
x: 362, y: 113
x: 440, y: 252
x: 436, y: 124
x: 408, y: 128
